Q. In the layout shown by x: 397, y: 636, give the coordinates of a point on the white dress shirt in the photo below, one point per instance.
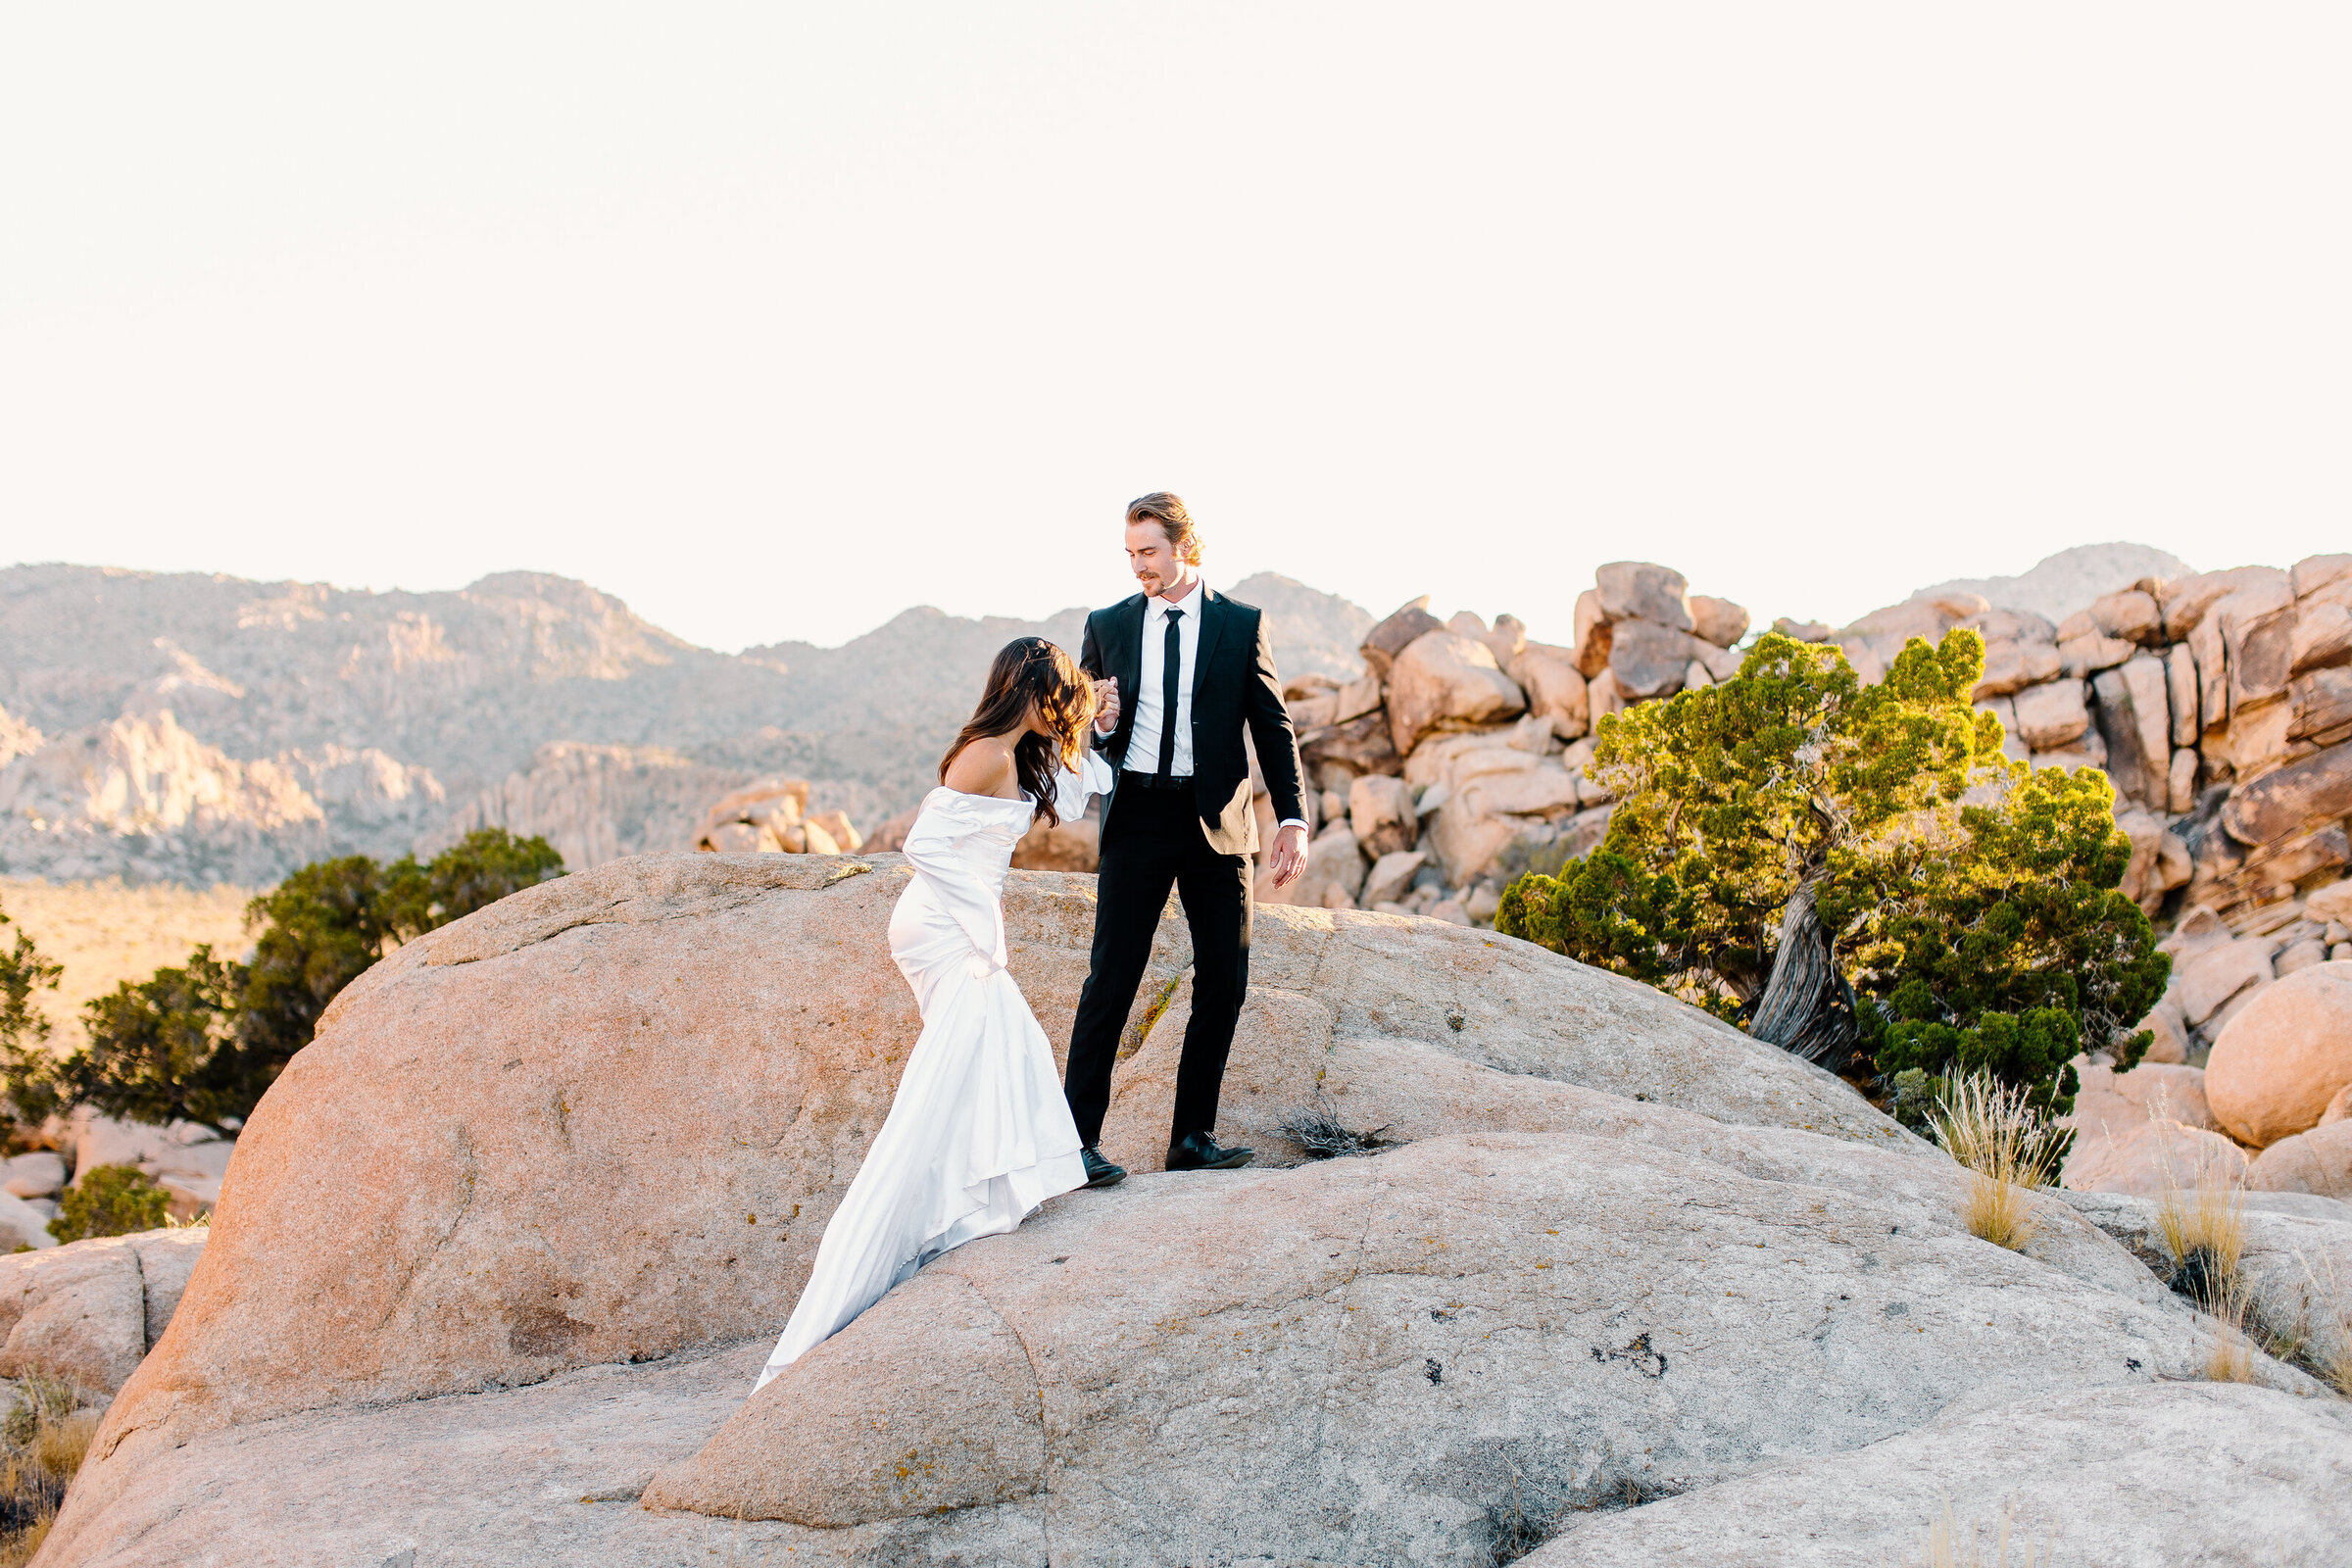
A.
x: 1143, y: 741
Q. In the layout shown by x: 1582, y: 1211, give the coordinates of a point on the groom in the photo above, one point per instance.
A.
x: 1191, y: 668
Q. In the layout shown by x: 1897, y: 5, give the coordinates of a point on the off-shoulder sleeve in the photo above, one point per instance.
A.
x: 931, y: 846
x: 1072, y: 786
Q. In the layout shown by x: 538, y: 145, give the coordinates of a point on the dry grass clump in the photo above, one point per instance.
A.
x: 43, y: 1440
x: 2204, y: 1229
x: 2007, y: 1149
x: 1946, y: 1548
x: 2333, y: 1362
x: 1317, y: 1129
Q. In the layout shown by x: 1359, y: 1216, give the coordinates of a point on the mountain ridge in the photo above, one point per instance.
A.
x: 194, y: 727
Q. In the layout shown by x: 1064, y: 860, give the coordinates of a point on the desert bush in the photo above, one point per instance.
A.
x: 2008, y: 1149
x: 204, y: 1041
x: 1858, y: 874
x: 1316, y: 1128
x: 109, y: 1201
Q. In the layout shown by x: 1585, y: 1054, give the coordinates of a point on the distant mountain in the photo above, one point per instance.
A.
x: 2061, y: 584
x: 193, y: 728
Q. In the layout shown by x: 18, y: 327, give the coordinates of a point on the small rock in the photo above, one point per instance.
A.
x: 1392, y: 877
x: 1391, y: 637
x: 2298, y: 955
x: 2316, y: 1161
x: 1379, y: 809
x: 1641, y: 590
x: 2215, y: 974
x: 2053, y: 714
x: 1442, y: 679
x: 1648, y: 659
x: 1718, y: 620
x: 39, y: 1174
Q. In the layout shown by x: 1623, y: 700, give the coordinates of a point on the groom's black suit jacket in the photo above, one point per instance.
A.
x: 1234, y: 685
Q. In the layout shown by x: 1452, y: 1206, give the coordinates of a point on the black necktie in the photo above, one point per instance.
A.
x: 1170, y: 685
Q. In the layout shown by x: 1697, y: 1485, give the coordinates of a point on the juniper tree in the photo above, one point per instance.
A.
x: 203, y: 1042
x: 1850, y: 869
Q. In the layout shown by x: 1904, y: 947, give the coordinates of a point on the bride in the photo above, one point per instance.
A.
x: 980, y: 1133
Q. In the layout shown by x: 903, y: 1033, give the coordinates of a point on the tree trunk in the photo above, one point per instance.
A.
x: 1807, y: 1009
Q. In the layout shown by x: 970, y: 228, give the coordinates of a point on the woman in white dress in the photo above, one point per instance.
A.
x: 980, y: 1133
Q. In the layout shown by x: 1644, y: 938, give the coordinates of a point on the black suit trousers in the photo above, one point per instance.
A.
x: 1153, y: 841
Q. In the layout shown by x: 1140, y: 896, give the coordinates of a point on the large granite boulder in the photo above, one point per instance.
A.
x: 2144, y: 1477
x: 1618, y: 1226
x: 1641, y: 590
x: 707, y: 1042
x: 1443, y: 680
x: 1461, y: 1297
x: 2279, y: 1061
x: 2319, y: 1162
x: 90, y: 1310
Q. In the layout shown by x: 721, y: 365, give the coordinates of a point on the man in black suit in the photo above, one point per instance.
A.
x: 1191, y: 669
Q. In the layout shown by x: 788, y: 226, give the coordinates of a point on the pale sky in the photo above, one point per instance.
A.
x: 776, y: 319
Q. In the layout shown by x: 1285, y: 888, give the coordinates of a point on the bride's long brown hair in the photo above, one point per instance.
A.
x: 1027, y: 670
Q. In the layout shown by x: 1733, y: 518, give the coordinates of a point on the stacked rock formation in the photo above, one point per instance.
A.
x: 2219, y: 703
x: 772, y: 818
x: 1457, y: 760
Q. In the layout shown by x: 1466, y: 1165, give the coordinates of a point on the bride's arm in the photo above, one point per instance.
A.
x: 931, y: 848
x: 1071, y: 786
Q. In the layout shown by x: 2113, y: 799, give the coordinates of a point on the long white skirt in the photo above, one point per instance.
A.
x: 978, y: 1136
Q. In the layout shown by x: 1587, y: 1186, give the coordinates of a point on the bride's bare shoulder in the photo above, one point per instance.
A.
x: 985, y: 766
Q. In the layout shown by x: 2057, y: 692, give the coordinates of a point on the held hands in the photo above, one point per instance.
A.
x: 1107, y: 705
x: 1289, y: 861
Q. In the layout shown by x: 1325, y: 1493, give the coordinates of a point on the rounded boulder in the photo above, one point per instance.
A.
x: 2284, y: 1056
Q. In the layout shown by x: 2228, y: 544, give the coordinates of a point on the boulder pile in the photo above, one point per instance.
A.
x: 1458, y: 758
x: 1605, y: 1251
x: 771, y: 817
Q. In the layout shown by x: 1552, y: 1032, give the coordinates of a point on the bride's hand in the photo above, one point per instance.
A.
x: 1107, y: 705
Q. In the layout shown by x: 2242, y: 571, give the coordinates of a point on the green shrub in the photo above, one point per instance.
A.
x: 204, y: 1041
x: 109, y: 1201
x: 1963, y: 909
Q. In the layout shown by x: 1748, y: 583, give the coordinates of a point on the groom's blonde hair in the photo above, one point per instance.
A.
x: 1167, y: 510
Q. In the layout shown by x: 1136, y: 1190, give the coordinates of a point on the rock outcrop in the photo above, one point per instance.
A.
x: 1624, y: 1245
x: 89, y: 1311
x: 2125, y: 1477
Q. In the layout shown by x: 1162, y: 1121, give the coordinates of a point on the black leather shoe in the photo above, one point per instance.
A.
x: 1199, y: 1152
x: 1100, y: 1172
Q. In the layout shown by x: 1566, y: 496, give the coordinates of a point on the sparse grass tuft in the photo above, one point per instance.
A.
x: 1317, y: 1129
x: 1946, y: 1548
x: 2204, y: 1229
x: 2335, y: 1361
x: 2007, y: 1149
x: 43, y: 1440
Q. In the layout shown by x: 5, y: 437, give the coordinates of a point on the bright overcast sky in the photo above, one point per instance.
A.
x: 775, y: 320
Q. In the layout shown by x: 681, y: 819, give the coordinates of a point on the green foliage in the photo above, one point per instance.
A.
x: 204, y: 1043
x: 23, y: 1027
x: 158, y: 1049
x: 109, y: 1201
x: 1970, y: 901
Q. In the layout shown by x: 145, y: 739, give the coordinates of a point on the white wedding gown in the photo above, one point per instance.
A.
x: 979, y: 1134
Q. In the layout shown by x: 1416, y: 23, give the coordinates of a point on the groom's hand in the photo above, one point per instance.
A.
x: 1107, y: 705
x: 1289, y: 861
